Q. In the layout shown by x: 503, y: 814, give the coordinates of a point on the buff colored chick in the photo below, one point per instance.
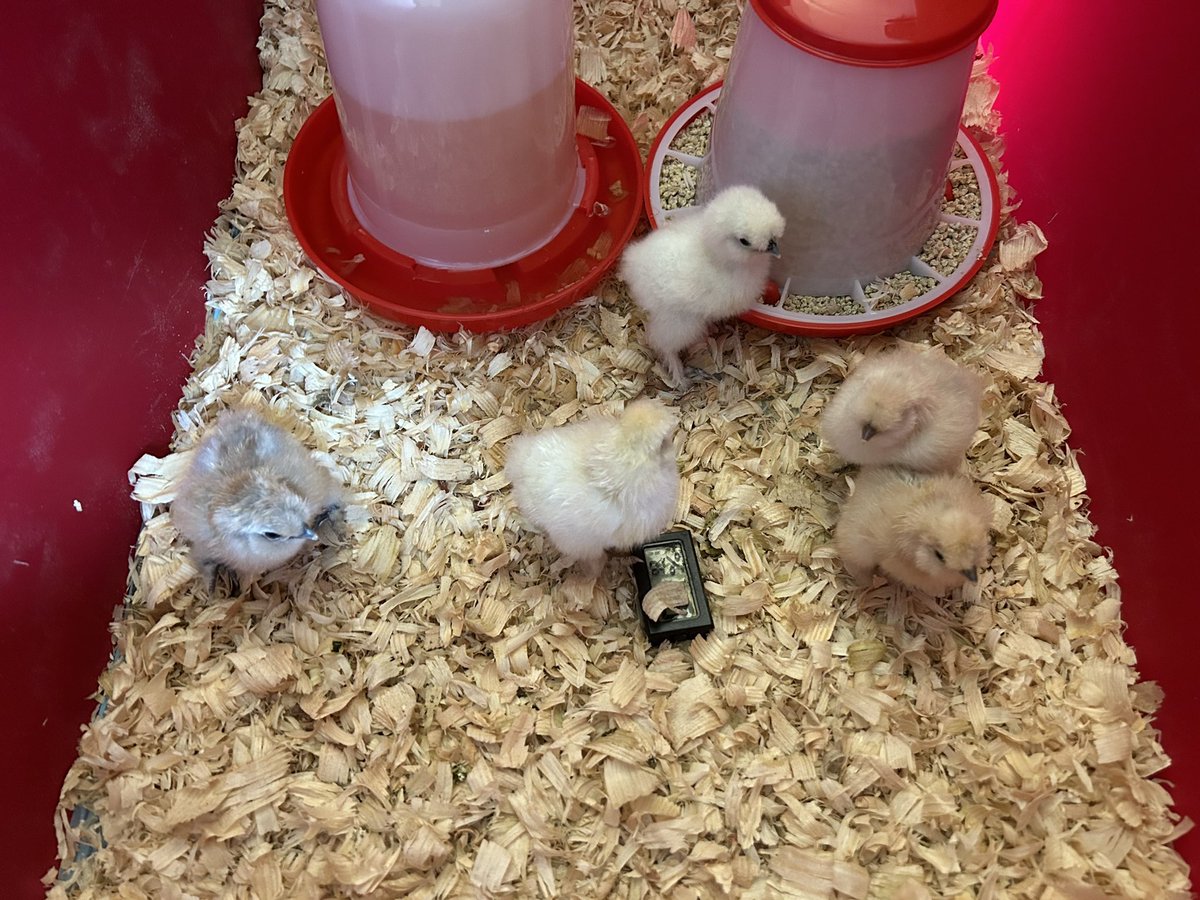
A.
x: 602, y: 483
x: 707, y: 265
x: 927, y: 531
x: 252, y: 498
x: 904, y: 408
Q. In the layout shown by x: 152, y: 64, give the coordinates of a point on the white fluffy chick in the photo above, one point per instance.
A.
x: 707, y: 265
x: 601, y: 484
x: 252, y: 498
x: 929, y: 531
x: 904, y: 408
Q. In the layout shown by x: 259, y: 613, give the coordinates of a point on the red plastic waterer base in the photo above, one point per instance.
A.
x: 479, y: 300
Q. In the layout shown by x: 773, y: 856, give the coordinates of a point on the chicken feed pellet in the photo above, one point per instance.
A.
x: 693, y: 139
x: 677, y: 184
x: 947, y: 247
x: 967, y: 201
x: 894, y: 290
x: 823, y: 306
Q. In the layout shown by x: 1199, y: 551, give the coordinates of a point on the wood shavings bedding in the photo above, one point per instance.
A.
x: 434, y: 709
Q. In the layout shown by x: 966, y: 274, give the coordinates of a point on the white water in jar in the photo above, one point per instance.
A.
x: 458, y: 118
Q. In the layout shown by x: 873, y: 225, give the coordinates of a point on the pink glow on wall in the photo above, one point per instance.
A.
x: 1099, y: 102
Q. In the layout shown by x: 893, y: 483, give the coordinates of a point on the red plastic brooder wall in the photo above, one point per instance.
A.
x: 117, y: 142
x: 1099, y: 103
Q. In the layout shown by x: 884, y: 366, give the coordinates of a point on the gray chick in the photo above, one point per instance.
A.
x: 252, y: 498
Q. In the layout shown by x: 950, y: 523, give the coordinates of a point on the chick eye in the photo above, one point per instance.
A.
x: 938, y: 554
x: 272, y: 536
x: 745, y: 242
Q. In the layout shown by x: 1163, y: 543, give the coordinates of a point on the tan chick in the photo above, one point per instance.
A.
x: 904, y: 408
x: 252, y: 498
x: 927, y: 531
x: 601, y: 484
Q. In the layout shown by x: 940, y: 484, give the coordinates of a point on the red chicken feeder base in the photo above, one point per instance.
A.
x: 770, y: 313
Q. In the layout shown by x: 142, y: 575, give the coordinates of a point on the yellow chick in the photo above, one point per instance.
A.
x: 601, y: 484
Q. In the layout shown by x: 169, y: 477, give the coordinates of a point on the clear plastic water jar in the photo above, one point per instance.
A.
x: 845, y: 114
x: 459, y: 123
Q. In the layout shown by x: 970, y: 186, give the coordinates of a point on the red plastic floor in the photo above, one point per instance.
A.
x: 116, y: 142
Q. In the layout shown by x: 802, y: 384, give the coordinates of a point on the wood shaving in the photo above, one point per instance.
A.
x: 592, y: 123
x: 432, y: 708
x: 670, y: 595
x: 683, y: 31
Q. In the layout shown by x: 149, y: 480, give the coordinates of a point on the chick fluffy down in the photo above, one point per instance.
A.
x: 603, y: 483
x: 924, y: 530
x: 249, y: 476
x: 695, y: 270
x: 923, y: 408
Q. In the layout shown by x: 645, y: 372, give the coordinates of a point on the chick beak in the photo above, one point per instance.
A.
x: 969, y: 574
x: 868, y: 431
x: 309, y: 534
x: 773, y: 247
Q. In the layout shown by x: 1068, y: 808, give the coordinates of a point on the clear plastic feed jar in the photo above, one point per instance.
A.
x: 459, y: 123
x: 845, y: 114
